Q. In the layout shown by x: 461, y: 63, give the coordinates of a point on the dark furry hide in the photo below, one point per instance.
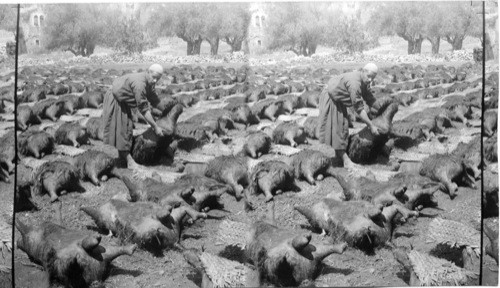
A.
x: 309, y: 163
x: 49, y: 109
x: 231, y: 170
x: 490, y: 119
x: 448, y: 169
x: 71, y: 103
x: 490, y: 149
x: 278, y: 176
x: 95, y: 128
x: 148, y: 148
x: 260, y: 107
x: 287, y: 132
x: 71, y: 131
x: 32, y: 95
x: 310, y: 127
x: 77, y: 266
x: 26, y: 117
x: 62, y: 174
x: 93, y: 164
x: 257, y: 143
x: 36, y: 143
x: 310, y: 98
x: 92, y: 99
x: 363, y: 146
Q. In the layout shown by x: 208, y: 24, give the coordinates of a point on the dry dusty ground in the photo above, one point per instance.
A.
x: 353, y: 268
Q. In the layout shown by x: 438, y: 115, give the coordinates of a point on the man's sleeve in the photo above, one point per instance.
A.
x: 140, y: 93
x: 354, y: 88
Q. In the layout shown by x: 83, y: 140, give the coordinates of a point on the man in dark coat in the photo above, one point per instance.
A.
x: 129, y: 92
x: 342, y: 91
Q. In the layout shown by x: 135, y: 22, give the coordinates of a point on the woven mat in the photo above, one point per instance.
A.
x: 232, y: 233
x: 68, y: 150
x: 454, y: 234
x: 284, y: 150
x: 89, y: 112
x: 223, y: 272
x: 71, y: 118
x: 432, y: 271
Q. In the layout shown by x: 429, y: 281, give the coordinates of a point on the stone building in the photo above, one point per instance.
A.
x: 31, y: 23
x: 255, y: 41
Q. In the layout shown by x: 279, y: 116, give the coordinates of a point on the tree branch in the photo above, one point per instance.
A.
x: 72, y: 51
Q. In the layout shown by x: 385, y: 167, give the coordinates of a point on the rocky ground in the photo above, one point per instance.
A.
x: 352, y: 268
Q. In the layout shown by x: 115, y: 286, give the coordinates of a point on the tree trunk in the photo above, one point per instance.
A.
x: 435, y: 42
x: 236, y: 43
x: 243, y: 46
x: 90, y: 48
x: 76, y: 53
x: 197, y: 46
x: 190, y: 46
x: 418, y: 45
x: 312, y: 49
x: 411, y: 46
x: 303, y: 50
x: 457, y: 43
x: 229, y: 42
x: 214, y: 45
x: 236, y: 46
x: 414, y: 45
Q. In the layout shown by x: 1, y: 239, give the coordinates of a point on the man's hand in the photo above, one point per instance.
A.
x: 374, y: 130
x: 158, y: 131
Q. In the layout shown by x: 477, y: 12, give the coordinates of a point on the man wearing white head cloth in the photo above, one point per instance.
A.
x: 342, y: 91
x: 131, y: 91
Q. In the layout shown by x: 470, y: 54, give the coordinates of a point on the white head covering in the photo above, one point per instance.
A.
x: 370, y: 67
x: 157, y: 68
